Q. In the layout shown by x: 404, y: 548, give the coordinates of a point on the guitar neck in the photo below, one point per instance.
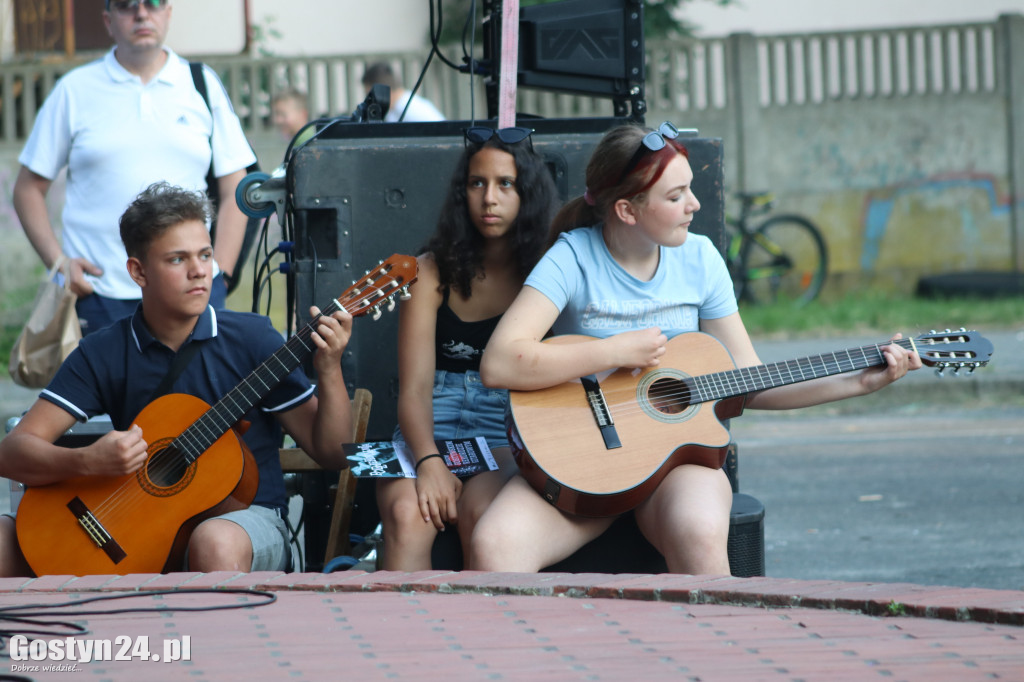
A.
x: 745, y: 380
x: 216, y: 421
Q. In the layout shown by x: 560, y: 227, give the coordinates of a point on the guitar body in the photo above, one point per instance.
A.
x: 148, y: 514
x: 562, y: 453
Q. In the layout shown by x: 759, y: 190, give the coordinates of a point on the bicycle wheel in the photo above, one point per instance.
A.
x: 785, y: 259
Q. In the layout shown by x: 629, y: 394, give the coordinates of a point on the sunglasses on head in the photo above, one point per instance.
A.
x: 652, y: 141
x: 132, y: 6
x: 480, y: 134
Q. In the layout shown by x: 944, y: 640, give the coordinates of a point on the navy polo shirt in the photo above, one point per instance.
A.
x: 114, y: 371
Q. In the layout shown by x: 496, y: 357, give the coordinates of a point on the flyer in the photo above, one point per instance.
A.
x: 392, y: 459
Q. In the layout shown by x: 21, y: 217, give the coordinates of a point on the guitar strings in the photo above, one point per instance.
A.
x: 126, y: 498
x: 663, y: 396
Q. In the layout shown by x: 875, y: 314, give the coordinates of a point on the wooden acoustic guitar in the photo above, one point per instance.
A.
x: 600, y: 446
x: 197, y: 465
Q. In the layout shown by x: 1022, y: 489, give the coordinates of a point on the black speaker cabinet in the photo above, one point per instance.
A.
x: 363, y: 191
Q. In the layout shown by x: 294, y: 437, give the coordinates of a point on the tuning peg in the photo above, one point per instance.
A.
x: 940, y: 370
x: 404, y: 295
x: 375, y: 313
x: 391, y: 304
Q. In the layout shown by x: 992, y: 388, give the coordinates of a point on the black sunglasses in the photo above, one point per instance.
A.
x: 480, y: 134
x: 131, y: 6
x: 652, y: 141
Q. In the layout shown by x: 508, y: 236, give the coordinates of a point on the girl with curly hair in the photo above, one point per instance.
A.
x: 490, y: 234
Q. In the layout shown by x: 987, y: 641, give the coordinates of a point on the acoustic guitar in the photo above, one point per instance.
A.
x: 197, y: 465
x: 600, y: 446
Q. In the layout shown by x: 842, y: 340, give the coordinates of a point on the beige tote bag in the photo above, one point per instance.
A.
x: 51, y: 333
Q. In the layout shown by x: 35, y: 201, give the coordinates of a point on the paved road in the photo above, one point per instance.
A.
x: 922, y: 482
x: 932, y: 497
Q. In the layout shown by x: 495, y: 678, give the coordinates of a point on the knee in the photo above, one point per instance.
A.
x: 402, y: 517
x: 698, y: 546
x: 217, y: 546
x: 497, y: 546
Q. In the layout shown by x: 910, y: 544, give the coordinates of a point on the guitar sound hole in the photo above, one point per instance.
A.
x: 166, y: 468
x: 669, y: 396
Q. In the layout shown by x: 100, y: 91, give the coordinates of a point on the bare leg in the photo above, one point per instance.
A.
x: 408, y: 539
x: 478, y: 493
x: 12, y: 561
x: 219, y: 545
x: 522, y: 532
x: 687, y: 520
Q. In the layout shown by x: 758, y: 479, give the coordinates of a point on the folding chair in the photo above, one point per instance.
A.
x: 294, y: 460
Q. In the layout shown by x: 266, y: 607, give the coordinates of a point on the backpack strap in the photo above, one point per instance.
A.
x: 199, y: 80
x: 212, y: 186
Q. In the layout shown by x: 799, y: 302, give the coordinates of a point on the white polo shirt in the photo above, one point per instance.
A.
x: 117, y: 136
x: 420, y: 109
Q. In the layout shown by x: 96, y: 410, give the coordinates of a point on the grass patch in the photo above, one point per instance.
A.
x: 15, y: 307
x: 874, y: 312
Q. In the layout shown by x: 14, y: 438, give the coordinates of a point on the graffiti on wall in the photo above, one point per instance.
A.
x: 954, y: 219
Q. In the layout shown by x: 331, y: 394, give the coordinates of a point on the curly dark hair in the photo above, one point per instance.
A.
x: 457, y: 246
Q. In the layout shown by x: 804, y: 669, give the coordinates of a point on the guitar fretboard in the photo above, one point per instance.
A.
x: 743, y: 380
x: 216, y: 421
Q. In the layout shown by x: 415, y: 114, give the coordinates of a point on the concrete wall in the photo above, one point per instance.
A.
x: 906, y: 145
x: 903, y: 144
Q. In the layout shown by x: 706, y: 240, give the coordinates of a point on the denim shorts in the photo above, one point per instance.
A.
x: 465, y: 408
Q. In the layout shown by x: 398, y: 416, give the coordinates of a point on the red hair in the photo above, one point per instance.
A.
x: 605, y: 181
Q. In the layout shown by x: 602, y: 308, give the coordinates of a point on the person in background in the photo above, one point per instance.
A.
x: 490, y: 233
x: 119, y: 124
x: 625, y: 272
x: 290, y: 110
x: 415, y: 107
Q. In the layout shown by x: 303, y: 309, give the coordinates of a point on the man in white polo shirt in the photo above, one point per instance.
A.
x: 119, y: 124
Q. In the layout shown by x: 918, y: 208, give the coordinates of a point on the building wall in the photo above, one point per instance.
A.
x: 297, y: 27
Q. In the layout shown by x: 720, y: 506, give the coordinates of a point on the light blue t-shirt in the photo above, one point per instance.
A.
x: 597, y: 297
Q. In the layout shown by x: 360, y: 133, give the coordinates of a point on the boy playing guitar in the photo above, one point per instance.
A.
x: 119, y: 371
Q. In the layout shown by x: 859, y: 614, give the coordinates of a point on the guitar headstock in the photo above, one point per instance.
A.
x: 961, y: 349
x: 379, y: 286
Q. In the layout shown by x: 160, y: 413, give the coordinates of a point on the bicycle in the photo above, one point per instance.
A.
x: 783, y: 258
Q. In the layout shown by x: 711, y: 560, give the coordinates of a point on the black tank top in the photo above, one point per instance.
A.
x: 459, y: 345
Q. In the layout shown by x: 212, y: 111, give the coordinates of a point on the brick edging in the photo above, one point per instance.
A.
x: 1003, y: 607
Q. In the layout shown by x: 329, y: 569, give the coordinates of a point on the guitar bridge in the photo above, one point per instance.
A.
x: 95, y: 530
x: 602, y: 415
